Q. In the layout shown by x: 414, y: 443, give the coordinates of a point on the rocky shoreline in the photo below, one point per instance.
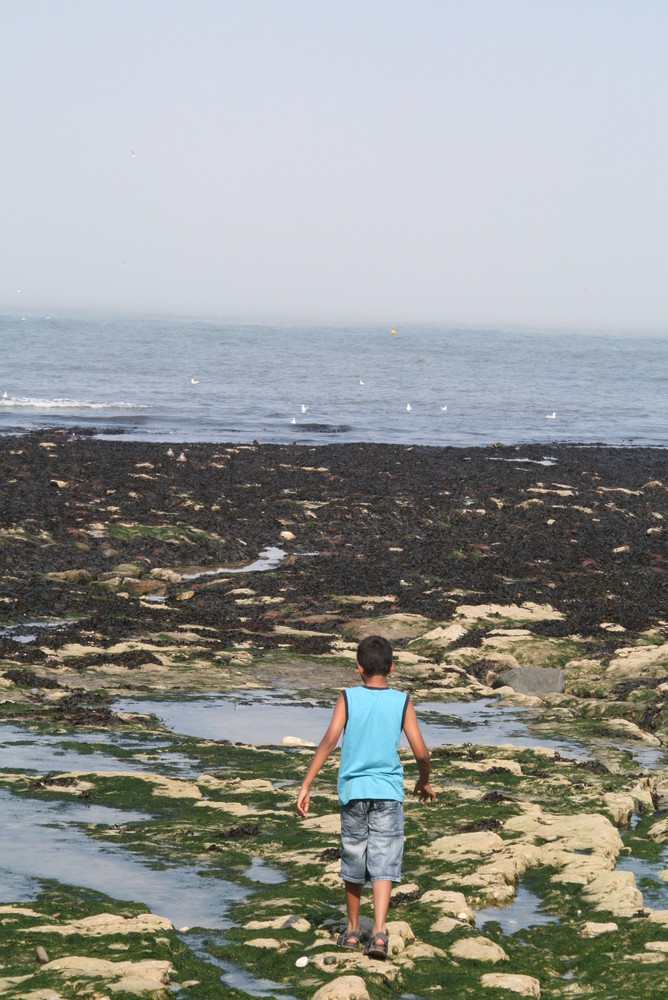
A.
x: 133, y: 568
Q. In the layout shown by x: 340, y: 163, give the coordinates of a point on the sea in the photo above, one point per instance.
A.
x: 157, y: 378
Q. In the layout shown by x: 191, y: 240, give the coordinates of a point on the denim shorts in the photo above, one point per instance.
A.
x: 372, y: 840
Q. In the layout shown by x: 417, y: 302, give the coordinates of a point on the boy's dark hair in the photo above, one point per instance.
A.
x: 374, y: 655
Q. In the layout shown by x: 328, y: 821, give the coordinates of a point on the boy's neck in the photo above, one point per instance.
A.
x: 375, y: 681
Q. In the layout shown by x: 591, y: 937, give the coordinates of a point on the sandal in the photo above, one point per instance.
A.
x: 352, y: 940
x: 377, y: 946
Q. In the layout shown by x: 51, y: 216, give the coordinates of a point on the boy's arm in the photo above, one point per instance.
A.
x: 419, y: 748
x: 325, y: 747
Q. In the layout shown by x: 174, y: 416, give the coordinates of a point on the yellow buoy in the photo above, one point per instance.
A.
x: 393, y: 332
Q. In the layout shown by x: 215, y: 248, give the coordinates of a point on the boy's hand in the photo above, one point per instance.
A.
x: 303, y: 801
x: 425, y: 791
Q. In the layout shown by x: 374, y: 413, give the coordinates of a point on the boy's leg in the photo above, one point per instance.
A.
x: 382, y: 889
x: 354, y: 834
x: 353, y: 895
x: 386, y: 845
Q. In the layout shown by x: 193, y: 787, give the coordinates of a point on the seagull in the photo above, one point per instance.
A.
x: 4, y: 395
x: 361, y: 381
x: 132, y: 152
x: 182, y: 458
x: 550, y: 416
x: 170, y: 453
x: 304, y: 408
x: 294, y: 420
x: 194, y: 381
x: 444, y: 408
x: 408, y: 407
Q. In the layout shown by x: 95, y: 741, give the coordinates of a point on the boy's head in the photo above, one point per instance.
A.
x: 374, y: 655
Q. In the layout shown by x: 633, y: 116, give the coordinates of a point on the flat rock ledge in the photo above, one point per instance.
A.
x: 526, y: 986
x: 478, y: 949
x: 343, y: 988
x: 148, y: 976
x: 582, y: 848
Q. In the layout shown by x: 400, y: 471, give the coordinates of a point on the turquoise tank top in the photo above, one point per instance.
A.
x: 370, y: 767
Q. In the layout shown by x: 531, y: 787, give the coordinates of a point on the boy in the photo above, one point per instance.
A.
x: 370, y: 786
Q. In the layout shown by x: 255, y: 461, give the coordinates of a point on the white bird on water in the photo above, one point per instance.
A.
x: 550, y: 416
x: 444, y: 408
x: 294, y: 420
x: 304, y: 408
x: 194, y: 381
x: 408, y: 407
x: 361, y: 381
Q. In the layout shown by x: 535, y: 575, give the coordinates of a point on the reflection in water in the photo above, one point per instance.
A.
x: 265, y: 717
x: 42, y: 840
x: 23, y: 750
x: 267, y: 559
x: 524, y: 911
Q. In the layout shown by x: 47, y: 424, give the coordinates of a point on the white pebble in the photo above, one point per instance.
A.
x: 302, y: 962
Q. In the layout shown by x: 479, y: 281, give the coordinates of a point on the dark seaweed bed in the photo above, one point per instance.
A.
x: 421, y: 524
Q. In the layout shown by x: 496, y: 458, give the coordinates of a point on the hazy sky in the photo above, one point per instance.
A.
x: 482, y: 161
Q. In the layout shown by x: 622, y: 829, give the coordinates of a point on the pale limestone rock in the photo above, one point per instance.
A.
x: 24, y: 911
x: 632, y: 661
x: 478, y: 949
x: 658, y: 831
x: 167, y: 575
x: 486, y: 765
x: 620, y: 806
x: 296, y: 741
x: 420, y: 950
x: 526, y: 986
x: 279, y: 923
x: 271, y: 944
x: 250, y: 785
x: 528, y: 611
x: 581, y: 832
x: 459, y: 846
x: 404, y: 887
x: 661, y: 946
x: 330, y: 823
x: 616, y: 892
x: 173, y: 788
x: 288, y: 536
x: 233, y: 808
x: 445, y: 925
x: 642, y: 793
x: 39, y: 994
x: 401, y: 929
x: 343, y: 988
x: 591, y: 929
x: 148, y: 969
x: 102, y: 924
x: 450, y: 903
x: 659, y: 917
x: 646, y: 958
x: 444, y: 635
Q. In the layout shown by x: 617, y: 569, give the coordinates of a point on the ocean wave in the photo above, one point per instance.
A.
x: 33, y: 403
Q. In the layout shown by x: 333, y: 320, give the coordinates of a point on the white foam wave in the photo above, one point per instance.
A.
x: 33, y: 403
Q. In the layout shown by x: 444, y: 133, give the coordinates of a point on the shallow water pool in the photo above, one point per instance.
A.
x: 45, y: 840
